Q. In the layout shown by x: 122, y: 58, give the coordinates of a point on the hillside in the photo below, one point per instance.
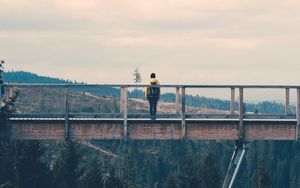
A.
x: 193, y: 102
x: 39, y: 100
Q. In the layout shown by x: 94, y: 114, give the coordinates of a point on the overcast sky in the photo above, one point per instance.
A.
x: 193, y: 42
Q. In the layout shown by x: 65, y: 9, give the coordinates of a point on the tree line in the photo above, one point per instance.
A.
x: 145, y: 163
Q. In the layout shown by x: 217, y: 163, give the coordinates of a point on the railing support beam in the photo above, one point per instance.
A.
x: 8, y: 93
x: 241, y: 113
x: 183, y: 127
x: 124, y: 101
x: 232, y: 101
x: 67, y: 129
x: 287, y: 101
x: 177, y: 100
x: 121, y: 100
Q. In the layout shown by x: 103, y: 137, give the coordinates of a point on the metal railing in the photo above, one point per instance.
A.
x: 180, y: 103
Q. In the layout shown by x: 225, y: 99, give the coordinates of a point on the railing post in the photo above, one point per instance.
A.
x: 8, y: 91
x: 177, y: 100
x: 298, y: 113
x: 121, y: 100
x: 232, y: 100
x: 287, y: 101
x: 183, y: 127
x: 67, y: 135
x: 124, y: 110
x: 241, y: 113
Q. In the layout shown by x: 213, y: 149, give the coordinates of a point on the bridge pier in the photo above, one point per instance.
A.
x: 240, y: 145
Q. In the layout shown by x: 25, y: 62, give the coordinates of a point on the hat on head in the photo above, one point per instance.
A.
x: 152, y: 75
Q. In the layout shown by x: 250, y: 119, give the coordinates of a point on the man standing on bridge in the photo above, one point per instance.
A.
x: 152, y: 94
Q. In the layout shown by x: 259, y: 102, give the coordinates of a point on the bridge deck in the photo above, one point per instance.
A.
x: 162, y: 129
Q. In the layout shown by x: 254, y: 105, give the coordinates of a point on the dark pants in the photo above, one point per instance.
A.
x: 153, y: 104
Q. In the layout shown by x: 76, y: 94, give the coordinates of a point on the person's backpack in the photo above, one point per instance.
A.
x: 153, y: 91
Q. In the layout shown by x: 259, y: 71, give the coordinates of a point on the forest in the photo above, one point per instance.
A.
x: 166, y: 164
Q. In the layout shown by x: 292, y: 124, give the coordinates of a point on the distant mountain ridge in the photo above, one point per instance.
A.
x: 28, y: 77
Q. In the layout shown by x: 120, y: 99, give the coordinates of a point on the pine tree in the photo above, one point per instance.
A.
x: 137, y: 79
x: 129, y: 169
x: 171, y: 181
x: 92, y: 176
x: 210, y: 174
x: 190, y: 176
x: 110, y: 180
x: 2, y: 62
x: 65, y: 169
x: 137, y: 76
x: 7, y: 185
x: 29, y: 170
x: 261, y: 177
x: 21, y: 165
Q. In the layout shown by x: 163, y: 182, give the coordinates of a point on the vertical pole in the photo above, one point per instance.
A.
x: 177, y: 104
x: 125, y: 100
x: 11, y: 92
x: 298, y: 112
x: 241, y: 114
x: 287, y: 101
x: 8, y: 93
x: 67, y: 113
x: 1, y: 86
x: 121, y: 100
x: 80, y: 101
x: 232, y: 100
x: 183, y: 127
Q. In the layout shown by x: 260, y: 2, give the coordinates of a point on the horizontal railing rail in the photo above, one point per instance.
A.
x: 144, y: 85
x: 140, y: 115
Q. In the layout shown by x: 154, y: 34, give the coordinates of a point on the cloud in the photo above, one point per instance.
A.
x: 202, y: 41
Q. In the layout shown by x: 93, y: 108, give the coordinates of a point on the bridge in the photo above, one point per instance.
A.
x: 236, y: 124
x: 231, y: 125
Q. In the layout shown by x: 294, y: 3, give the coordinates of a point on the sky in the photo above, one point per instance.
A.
x: 183, y: 42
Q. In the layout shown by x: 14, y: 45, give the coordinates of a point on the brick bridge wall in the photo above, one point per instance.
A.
x: 158, y: 130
